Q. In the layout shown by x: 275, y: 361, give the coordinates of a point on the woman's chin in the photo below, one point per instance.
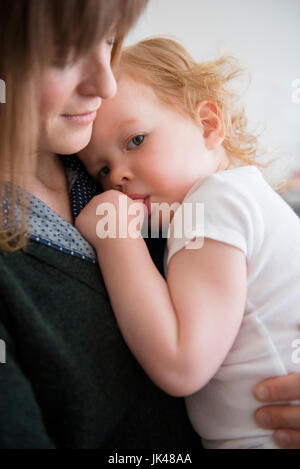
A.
x: 75, y: 144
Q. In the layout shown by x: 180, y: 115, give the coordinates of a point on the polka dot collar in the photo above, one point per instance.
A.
x: 48, y: 228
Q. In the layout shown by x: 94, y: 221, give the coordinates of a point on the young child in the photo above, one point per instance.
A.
x: 227, y: 314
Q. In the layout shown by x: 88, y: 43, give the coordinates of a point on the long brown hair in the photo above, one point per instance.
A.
x: 34, y: 34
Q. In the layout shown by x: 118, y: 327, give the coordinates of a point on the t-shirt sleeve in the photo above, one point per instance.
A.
x: 221, y: 208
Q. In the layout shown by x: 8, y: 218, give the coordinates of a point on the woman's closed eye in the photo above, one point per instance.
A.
x: 111, y: 41
x: 135, y: 142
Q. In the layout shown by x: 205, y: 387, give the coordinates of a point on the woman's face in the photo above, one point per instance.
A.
x: 70, y: 98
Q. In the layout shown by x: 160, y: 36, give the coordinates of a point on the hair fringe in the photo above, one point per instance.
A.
x: 34, y: 35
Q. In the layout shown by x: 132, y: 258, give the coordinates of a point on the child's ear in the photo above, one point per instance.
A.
x: 210, y: 118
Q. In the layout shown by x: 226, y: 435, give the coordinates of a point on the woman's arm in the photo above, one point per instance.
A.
x: 180, y: 330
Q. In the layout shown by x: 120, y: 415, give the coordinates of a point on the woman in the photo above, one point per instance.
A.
x: 68, y: 380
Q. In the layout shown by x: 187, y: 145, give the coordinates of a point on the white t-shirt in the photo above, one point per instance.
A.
x: 241, y: 209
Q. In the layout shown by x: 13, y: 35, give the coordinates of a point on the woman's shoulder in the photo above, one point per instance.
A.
x: 38, y: 261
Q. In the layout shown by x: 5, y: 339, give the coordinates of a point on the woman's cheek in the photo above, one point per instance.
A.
x: 54, y: 94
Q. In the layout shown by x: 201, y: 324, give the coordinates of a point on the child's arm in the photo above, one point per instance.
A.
x: 180, y: 330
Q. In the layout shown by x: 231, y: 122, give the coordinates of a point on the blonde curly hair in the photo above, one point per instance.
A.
x: 177, y: 79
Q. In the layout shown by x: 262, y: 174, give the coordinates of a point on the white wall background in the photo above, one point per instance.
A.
x: 263, y: 34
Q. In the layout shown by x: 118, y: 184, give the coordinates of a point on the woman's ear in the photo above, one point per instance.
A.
x: 210, y: 118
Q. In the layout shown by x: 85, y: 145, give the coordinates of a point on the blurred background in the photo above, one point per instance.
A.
x: 265, y: 36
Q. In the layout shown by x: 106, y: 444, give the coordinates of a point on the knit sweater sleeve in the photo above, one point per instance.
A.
x: 21, y: 420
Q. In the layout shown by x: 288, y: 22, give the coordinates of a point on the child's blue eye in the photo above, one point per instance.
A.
x: 104, y: 171
x: 135, y: 141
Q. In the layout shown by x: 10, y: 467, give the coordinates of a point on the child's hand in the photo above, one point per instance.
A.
x: 110, y: 215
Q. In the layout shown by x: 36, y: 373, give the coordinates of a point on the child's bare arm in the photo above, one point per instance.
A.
x: 180, y: 330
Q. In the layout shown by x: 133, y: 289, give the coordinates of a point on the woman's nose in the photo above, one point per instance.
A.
x: 99, y: 78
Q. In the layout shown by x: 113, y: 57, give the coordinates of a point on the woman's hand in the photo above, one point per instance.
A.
x: 110, y: 215
x: 285, y: 419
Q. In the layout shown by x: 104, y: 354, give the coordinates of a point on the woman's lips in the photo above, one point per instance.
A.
x: 81, y: 119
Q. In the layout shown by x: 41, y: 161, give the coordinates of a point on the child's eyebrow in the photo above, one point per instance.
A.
x: 127, y: 122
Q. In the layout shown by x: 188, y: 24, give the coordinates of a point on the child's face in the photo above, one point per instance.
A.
x: 142, y: 147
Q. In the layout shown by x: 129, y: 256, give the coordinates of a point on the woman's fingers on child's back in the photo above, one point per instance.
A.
x: 287, y: 439
x: 285, y: 420
x: 281, y: 416
x: 283, y: 388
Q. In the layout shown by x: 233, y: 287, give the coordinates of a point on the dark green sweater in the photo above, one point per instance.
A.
x: 69, y: 380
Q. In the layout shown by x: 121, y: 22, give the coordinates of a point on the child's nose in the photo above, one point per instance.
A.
x: 120, y: 176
